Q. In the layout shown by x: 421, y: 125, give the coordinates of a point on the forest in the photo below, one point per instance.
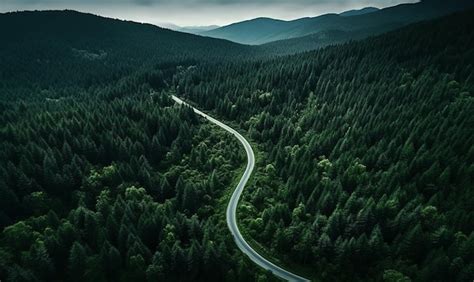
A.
x: 106, y: 188
x: 102, y: 177
x: 365, y: 154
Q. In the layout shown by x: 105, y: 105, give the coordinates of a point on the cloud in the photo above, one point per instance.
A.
x: 207, y: 2
x: 144, y: 2
x: 197, y: 12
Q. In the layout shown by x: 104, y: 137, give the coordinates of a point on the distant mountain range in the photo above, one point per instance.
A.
x: 197, y: 29
x: 188, y: 29
x: 348, y: 25
x: 95, y: 42
x: 359, y: 12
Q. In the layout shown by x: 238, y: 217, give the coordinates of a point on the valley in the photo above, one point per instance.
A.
x: 331, y: 148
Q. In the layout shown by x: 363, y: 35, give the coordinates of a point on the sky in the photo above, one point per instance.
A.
x: 198, y: 12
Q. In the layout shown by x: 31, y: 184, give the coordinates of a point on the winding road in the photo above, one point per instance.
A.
x: 234, y: 200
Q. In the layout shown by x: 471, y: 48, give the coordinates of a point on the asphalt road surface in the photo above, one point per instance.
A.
x: 234, y: 200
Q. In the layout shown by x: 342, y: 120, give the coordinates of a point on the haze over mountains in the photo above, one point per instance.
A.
x: 114, y: 40
x: 189, y: 29
x: 358, y: 12
x: 355, y: 23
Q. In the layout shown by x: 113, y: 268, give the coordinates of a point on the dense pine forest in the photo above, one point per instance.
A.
x: 365, y: 154
x: 100, y: 187
x: 102, y: 176
x: 67, y: 48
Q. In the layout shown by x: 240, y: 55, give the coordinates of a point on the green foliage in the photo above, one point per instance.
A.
x: 394, y: 276
x: 72, y: 49
x: 97, y: 209
x: 77, y: 262
x: 371, y: 149
x: 103, y: 177
x: 366, y: 156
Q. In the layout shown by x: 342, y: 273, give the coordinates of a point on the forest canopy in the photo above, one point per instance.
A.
x: 365, y: 154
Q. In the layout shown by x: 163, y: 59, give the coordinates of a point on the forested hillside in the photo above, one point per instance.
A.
x: 365, y: 153
x: 68, y: 48
x: 102, y: 177
x: 366, y: 167
x: 355, y: 26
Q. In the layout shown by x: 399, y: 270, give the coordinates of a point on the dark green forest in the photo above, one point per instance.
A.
x: 102, y: 177
x: 67, y: 48
x: 365, y: 154
x: 100, y: 188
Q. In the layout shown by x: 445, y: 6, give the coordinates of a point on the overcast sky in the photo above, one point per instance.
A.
x: 198, y: 12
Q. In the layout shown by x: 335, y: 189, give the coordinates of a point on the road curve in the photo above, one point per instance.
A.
x: 234, y: 200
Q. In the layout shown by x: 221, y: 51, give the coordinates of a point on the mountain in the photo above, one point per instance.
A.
x: 254, y: 31
x: 365, y: 153
x: 321, y: 39
x: 169, y: 26
x: 359, y: 12
x: 313, y: 41
x: 46, y: 46
x: 264, y: 30
x: 188, y: 29
x: 197, y: 29
x: 367, y: 150
x: 85, y: 108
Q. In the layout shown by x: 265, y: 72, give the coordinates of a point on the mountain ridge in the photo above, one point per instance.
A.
x: 249, y: 31
x: 54, y: 45
x: 357, y: 12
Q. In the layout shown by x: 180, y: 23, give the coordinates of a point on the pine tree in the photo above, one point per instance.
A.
x: 77, y: 262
